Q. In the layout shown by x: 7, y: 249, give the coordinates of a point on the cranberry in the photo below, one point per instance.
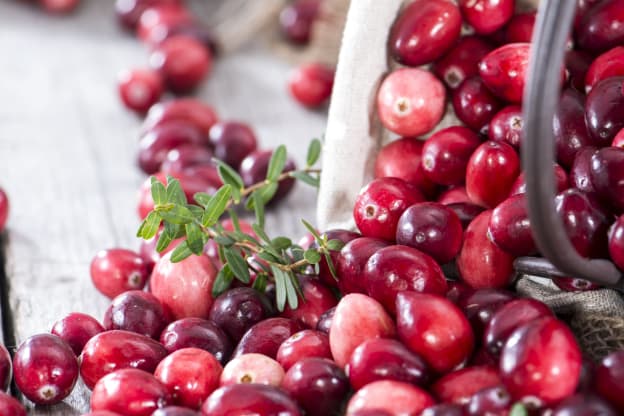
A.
x: 159, y: 18
x: 252, y: 368
x: 462, y: 61
x: 602, y: 28
x: 184, y: 288
x: 480, y: 262
x: 432, y: 228
x: 580, y: 172
x: 618, y: 141
x: 510, y: 228
x: 410, y: 101
x: 59, y: 6
x: 385, y: 359
x: 175, y: 411
x: 190, y: 374
x: 139, y: 89
x: 352, y: 261
x: 232, y: 141
x: 506, y: 126
x: 582, y: 404
x: 454, y: 195
x: 4, y: 208
x: 577, y: 64
x: 609, y: 64
x: 6, y: 368
x: 324, y: 272
x: 582, y: 8
x: 570, y: 284
x: 490, y: 401
x: 487, y: 16
x: 380, y: 204
x: 402, y: 159
x: 357, y: 319
x: 185, y: 156
x: 607, y: 176
x: 520, y: 28
x: 616, y: 242
x: 424, y: 31
x: 466, y: 212
x: 491, y: 172
x: 196, y: 333
x: 561, y: 177
x: 311, y: 84
x: 76, y: 329
x: 10, y: 406
x: 445, y: 409
x: 45, y: 369
x: 307, y: 343
x: 446, y: 153
x: 609, y: 379
x: 460, y: 385
x: 250, y: 399
x: 325, y: 320
x: 136, y: 311
x: 114, y: 350
x: 395, y: 397
x: 117, y: 270
x: 604, y: 110
x: 253, y: 170
x: 266, y: 336
x: 542, y: 360
x: 297, y: 18
x: 458, y: 291
x: 434, y: 328
x: 129, y: 11
x: 474, y: 104
x: 504, y: 71
x: 190, y: 110
x: 480, y: 305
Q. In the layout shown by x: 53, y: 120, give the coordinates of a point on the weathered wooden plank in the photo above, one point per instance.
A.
x: 67, y: 151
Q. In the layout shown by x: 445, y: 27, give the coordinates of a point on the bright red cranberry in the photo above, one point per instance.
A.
x: 357, y: 318
x: 466, y: 212
x: 462, y: 61
x: 395, y: 397
x: 474, y: 104
x: 136, y: 311
x: 325, y: 321
x: 185, y: 156
x: 490, y: 401
x: 460, y: 385
x: 232, y: 141
x: 174, y: 411
x: 580, y: 172
x: 76, y: 329
x: 509, y: 227
x: 45, y: 369
x: 252, y: 368
x: 480, y: 305
x: 434, y: 328
x: 520, y: 28
x: 504, y: 71
x: 616, y: 242
x: 253, y: 170
x: 190, y: 374
x: 445, y: 409
x: 609, y: 379
x: 432, y: 228
x: 446, y: 153
x: 583, y: 404
x: 59, y: 6
x: 454, y: 195
x: 385, y: 359
x: 118, y: 270
x: 561, y: 176
x: 425, y: 30
x: 604, y: 110
x: 352, y: 261
x: 411, y: 101
x: 506, y: 126
x: 251, y: 399
x: 317, y: 298
x: 609, y: 64
x: 114, y: 350
x: 307, y: 343
x: 129, y: 11
x: 571, y: 284
x: 607, y: 176
x: 491, y: 172
x: 577, y: 64
x: 380, y: 204
x: 10, y: 406
x: 487, y: 16
x: 130, y: 392
x: 297, y: 18
x: 266, y: 336
x: 197, y: 333
x: 541, y: 360
x: 480, y: 262
x: 602, y: 28
x: 311, y: 84
x: 159, y: 18
x: 190, y: 110
x: 618, y: 141
x: 4, y: 208
x: 325, y: 274
x: 139, y: 89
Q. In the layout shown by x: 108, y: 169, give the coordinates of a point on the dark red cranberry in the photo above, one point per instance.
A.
x: 506, y: 126
x: 76, y: 329
x: 480, y: 305
x: 158, y: 18
x: 607, y: 176
x: 616, y: 242
x: 504, y: 71
x: 580, y: 172
x: 609, y: 64
x: 6, y: 369
x: 460, y: 385
x: 311, y: 84
x: 175, y: 411
x: 509, y: 227
x: 130, y: 392
x: 306, y: 343
x: 10, y: 406
x: 317, y: 298
x: 582, y: 8
x: 190, y: 110
x: 602, y: 28
x: 232, y: 141
x: 474, y: 104
x: 186, y: 156
x: 520, y: 28
x: 393, y: 397
x: 380, y: 204
x: 541, y: 359
x: 265, y: 337
x: 561, y: 177
x: 325, y: 320
x: 324, y: 272
x: 458, y: 291
x: 453, y: 195
x: 424, y: 31
x: 445, y: 409
x: 114, y: 350
x: 466, y: 212
x: 490, y: 401
x: 446, y: 153
x: 139, y: 89
x: 582, y: 405
x: 136, y: 311
x: 197, y: 333
x: 604, y: 110
x: 117, y: 270
x: 297, y: 18
x: 609, y: 379
x: 571, y: 284
x: 577, y: 64
x: 312, y: 378
x: 385, y: 359
x: 246, y: 398
x: 129, y: 11
x: 253, y: 170
x: 487, y: 16
x: 45, y: 369
x: 462, y: 61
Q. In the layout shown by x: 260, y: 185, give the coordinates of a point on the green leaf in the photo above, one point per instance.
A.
x: 222, y: 281
x: 312, y: 256
x: 159, y: 192
x: 312, y: 230
x: 181, y: 252
x: 237, y: 264
x: 230, y: 177
x: 216, y: 206
x: 168, y: 234
x: 149, y: 226
x: 277, y: 163
x: 334, y: 245
x: 518, y: 409
x: 265, y: 255
x: 267, y: 192
x: 202, y: 198
x: 330, y: 265
x: 235, y: 223
x: 305, y: 178
x: 281, y: 243
x: 195, y: 238
x: 223, y: 240
x: 177, y: 214
x: 314, y: 151
x: 260, y: 233
x: 175, y: 194
x: 260, y: 283
x: 291, y: 292
x: 280, y: 287
x: 258, y: 207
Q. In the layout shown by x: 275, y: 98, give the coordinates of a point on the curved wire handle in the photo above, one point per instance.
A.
x: 541, y: 98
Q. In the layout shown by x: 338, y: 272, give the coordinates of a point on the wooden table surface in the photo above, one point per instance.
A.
x: 67, y: 156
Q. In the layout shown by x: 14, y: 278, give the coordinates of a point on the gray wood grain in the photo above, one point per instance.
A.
x: 67, y: 154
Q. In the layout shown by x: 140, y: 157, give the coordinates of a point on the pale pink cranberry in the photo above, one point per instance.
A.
x: 487, y: 16
x: 307, y: 343
x: 10, y: 406
x: 252, y: 368
x: 191, y: 110
x: 311, y: 84
x: 609, y: 64
x: 118, y: 270
x: 4, y: 208
x: 139, y: 89
x: 462, y: 61
x: 394, y: 397
x: 411, y: 101
x: 520, y: 28
x: 59, y: 6
x: 504, y: 71
x: 458, y: 386
x: 76, y: 329
x: 159, y: 18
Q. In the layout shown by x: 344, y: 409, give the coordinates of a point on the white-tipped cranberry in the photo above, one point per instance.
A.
x: 252, y: 368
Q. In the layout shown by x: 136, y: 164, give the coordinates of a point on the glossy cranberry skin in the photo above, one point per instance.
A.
x: 510, y: 229
x: 232, y: 141
x: 609, y: 379
x: 402, y: 159
x: 446, y: 153
x: 380, y: 204
x: 432, y: 228
x: 190, y: 110
x: 265, y: 337
x: 618, y: 140
x: 10, y: 406
x: 480, y: 305
x: 6, y: 369
x: 357, y: 318
x: 580, y: 172
x: 325, y: 321
x: 491, y: 172
x: 602, y: 27
x: 577, y: 64
x: 570, y: 284
x: 159, y: 18
x: 609, y: 64
x: 561, y: 177
x: 604, y: 110
x: 256, y: 399
x: 520, y: 28
x: 197, y: 333
x: 490, y: 401
x: 324, y: 273
x: 504, y: 71
x: 385, y: 359
x: 474, y: 104
x: 252, y: 368
x: 487, y: 16
x: 462, y: 61
x: 136, y: 311
x: 459, y: 386
x: 4, y: 209
x: 616, y: 242
x: 410, y: 101
x: 583, y: 404
x: 306, y: 343
x: 443, y: 410
x: 311, y: 84
x: 453, y: 195
x: 506, y: 126
x: 315, y: 377
x: 185, y: 156
x: 434, y: 328
x: 395, y: 397
x: 424, y: 31
x: 114, y: 350
x: 253, y: 169
x: 175, y: 411
x: 480, y: 262
x: 139, y: 89
x: 541, y: 359
x: 607, y: 176
x: 117, y: 270
x: 352, y: 261
x: 75, y: 329
x: 297, y: 18
x: 466, y: 212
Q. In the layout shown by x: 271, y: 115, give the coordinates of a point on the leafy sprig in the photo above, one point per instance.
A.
x: 274, y: 259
